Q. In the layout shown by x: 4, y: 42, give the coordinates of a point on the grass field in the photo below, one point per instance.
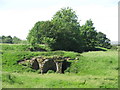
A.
x: 95, y: 69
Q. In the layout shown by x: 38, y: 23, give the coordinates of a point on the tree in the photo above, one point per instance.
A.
x: 33, y: 36
x: 16, y: 40
x: 3, y: 39
x: 89, y: 34
x: 103, y: 41
x: 61, y: 33
x: 39, y: 34
x: 7, y: 39
x: 40, y: 30
x: 66, y: 30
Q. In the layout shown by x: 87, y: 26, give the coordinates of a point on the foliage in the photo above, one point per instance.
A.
x: 16, y: 40
x: 64, y: 32
x: 38, y: 32
x: 103, y: 41
x: 12, y: 40
x: 88, y: 33
x: 50, y: 71
x: 61, y: 33
x: 6, y: 39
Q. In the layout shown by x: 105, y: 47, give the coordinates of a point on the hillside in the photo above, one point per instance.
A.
x: 95, y: 69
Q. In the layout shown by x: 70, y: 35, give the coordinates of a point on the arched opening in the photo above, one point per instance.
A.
x: 49, y: 65
x: 65, y: 65
x: 35, y: 65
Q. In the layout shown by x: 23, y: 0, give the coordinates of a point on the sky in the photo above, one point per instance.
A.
x: 17, y: 17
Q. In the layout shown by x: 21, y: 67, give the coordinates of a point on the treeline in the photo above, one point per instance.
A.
x: 64, y: 32
x: 11, y: 40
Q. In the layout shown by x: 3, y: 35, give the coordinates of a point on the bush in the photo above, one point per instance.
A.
x: 50, y: 71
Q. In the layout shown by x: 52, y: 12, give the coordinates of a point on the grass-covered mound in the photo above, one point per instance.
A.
x: 95, y: 69
x: 11, y: 54
x: 96, y: 63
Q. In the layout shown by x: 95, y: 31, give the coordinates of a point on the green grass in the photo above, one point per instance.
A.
x: 33, y: 80
x: 95, y: 69
x: 97, y: 63
x: 13, y: 53
x: 15, y: 47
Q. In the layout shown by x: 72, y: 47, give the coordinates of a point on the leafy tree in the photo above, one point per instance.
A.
x: 40, y: 30
x: 40, y: 33
x: 103, y: 41
x: 88, y: 34
x: 16, y: 40
x: 7, y: 39
x: 61, y: 33
x: 3, y: 39
x: 33, y: 36
x: 66, y: 30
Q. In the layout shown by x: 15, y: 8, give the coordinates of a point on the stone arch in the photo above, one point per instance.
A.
x: 49, y: 65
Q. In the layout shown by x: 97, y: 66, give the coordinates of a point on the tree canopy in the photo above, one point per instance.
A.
x: 9, y: 39
x: 63, y: 32
x: 89, y: 34
x: 103, y: 41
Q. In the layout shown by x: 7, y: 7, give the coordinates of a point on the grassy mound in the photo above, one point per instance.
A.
x: 95, y: 69
x: 11, y: 54
x: 96, y: 63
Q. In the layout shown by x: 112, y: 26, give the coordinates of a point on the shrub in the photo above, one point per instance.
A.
x: 50, y: 71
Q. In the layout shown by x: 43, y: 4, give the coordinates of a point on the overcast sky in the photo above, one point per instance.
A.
x: 17, y: 17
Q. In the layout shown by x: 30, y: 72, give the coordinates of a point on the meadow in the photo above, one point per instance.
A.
x: 94, y: 69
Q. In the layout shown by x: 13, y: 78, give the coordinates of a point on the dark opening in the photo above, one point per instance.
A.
x: 65, y: 65
x: 35, y: 65
x: 49, y: 65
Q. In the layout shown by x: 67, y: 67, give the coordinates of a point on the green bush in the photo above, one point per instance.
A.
x: 50, y: 71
